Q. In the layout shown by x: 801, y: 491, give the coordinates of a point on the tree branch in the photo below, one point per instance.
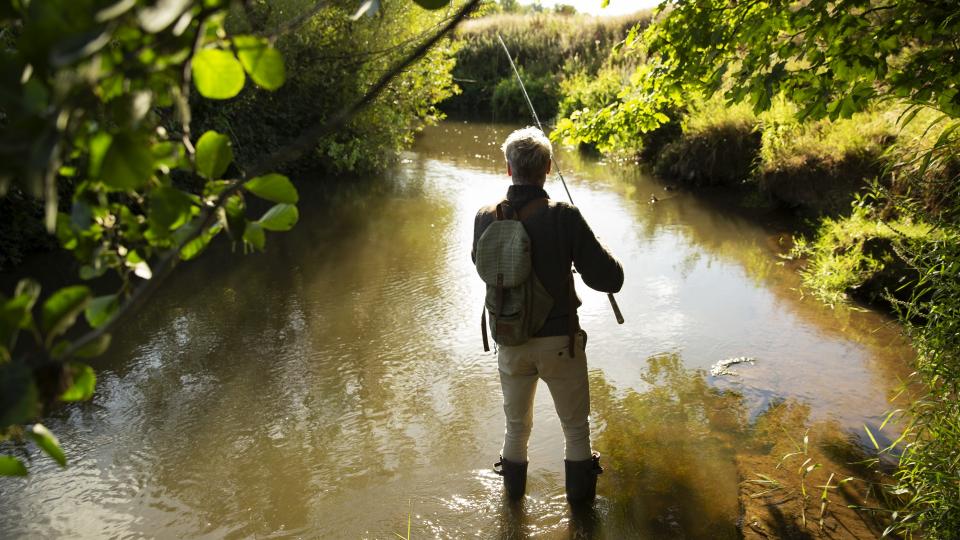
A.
x: 302, y: 144
x: 307, y: 139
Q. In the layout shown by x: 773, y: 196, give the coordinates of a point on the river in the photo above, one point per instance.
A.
x: 336, y: 386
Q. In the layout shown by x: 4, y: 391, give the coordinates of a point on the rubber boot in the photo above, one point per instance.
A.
x: 581, y: 478
x: 514, y: 475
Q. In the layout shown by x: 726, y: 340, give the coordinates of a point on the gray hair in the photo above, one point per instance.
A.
x: 528, y: 152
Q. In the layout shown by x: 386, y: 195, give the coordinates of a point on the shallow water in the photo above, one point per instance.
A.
x: 336, y: 386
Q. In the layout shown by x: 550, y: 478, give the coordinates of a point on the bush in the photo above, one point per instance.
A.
x: 334, y: 60
x: 718, y: 146
x: 545, y: 46
x: 858, y: 256
x: 509, y: 104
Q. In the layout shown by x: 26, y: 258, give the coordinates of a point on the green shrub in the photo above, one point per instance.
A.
x: 718, y: 146
x: 333, y: 60
x: 509, y: 104
x: 928, y: 472
x: 546, y: 46
x: 583, y: 90
x: 858, y: 255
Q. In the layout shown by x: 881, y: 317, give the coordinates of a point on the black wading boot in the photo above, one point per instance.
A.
x: 514, y: 476
x: 582, y: 479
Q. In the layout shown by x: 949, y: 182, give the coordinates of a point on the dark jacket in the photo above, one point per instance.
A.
x: 559, y: 236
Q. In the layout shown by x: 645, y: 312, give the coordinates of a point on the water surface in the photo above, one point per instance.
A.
x: 336, y: 385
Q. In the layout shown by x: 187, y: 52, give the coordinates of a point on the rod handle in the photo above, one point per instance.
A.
x: 616, y: 308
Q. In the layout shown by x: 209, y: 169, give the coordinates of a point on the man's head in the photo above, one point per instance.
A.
x: 528, y: 153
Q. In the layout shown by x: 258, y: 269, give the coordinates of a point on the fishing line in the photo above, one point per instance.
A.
x: 556, y: 166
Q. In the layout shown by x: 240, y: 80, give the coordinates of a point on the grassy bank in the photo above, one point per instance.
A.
x: 549, y: 48
x: 839, y: 175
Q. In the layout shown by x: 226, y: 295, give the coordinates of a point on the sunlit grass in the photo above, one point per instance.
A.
x: 842, y: 256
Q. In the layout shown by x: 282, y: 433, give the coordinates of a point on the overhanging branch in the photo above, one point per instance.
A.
x: 297, y: 148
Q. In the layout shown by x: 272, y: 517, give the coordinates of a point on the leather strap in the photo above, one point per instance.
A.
x: 483, y: 329
x: 571, y: 317
x: 527, y: 210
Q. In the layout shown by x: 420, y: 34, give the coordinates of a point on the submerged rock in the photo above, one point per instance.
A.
x: 723, y: 367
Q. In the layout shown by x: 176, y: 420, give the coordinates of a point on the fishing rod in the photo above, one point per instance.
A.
x: 556, y: 166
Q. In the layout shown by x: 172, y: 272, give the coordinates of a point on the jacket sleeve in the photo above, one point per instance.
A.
x: 599, y: 269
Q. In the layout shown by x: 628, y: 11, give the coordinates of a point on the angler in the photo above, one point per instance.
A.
x: 523, y: 248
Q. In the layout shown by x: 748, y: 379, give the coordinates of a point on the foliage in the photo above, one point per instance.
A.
x: 719, y: 146
x: 335, y: 60
x: 582, y: 90
x: 928, y: 472
x: 834, y: 58
x: 856, y: 63
x: 508, y: 102
x: 97, y: 95
x: 854, y: 253
x: 541, y: 44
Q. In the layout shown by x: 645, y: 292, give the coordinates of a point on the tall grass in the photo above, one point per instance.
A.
x: 548, y: 46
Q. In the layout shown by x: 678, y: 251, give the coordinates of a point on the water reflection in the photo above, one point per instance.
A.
x: 335, y: 386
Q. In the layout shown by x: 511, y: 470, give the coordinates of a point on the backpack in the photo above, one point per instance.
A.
x: 517, y: 302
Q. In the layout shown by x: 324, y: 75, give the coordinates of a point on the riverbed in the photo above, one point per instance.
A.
x: 336, y: 385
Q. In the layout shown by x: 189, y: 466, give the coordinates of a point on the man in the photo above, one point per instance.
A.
x: 559, y: 237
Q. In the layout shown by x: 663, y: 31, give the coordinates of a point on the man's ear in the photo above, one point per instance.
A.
x: 509, y: 170
x: 549, y: 165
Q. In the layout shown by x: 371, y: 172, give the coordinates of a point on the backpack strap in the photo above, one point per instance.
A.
x: 483, y: 329
x: 527, y: 210
x: 572, y: 319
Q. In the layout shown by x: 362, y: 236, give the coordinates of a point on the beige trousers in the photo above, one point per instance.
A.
x: 545, y: 358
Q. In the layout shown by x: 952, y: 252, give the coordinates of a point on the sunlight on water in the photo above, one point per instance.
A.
x: 336, y: 384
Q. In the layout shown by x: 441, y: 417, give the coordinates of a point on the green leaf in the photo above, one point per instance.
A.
x: 100, y: 309
x: 16, y: 313
x: 217, y: 74
x: 253, y: 234
x: 214, y: 155
x: 872, y: 439
x: 18, y: 395
x: 169, y: 209
x: 11, y: 466
x: 432, y: 4
x: 128, y: 163
x: 273, y: 187
x: 60, y: 310
x: 99, y: 144
x: 47, y: 442
x: 196, y: 246
x: 282, y: 217
x: 83, y: 381
x: 233, y: 216
x: 262, y: 62
x: 167, y: 154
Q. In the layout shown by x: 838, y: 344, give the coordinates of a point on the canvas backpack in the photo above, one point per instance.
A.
x: 516, y: 301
